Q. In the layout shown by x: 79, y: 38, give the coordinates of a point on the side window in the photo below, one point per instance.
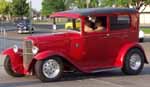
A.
x: 119, y: 22
x: 101, y: 23
x: 95, y: 24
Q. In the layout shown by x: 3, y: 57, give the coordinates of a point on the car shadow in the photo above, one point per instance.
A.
x: 77, y: 76
x: 104, y: 74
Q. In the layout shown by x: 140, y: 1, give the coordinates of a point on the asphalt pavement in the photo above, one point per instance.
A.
x: 114, y: 78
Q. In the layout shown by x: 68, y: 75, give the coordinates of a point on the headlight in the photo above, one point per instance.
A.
x: 24, y: 27
x: 15, y: 48
x: 35, y: 50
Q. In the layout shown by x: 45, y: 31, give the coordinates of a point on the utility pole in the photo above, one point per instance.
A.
x: 30, y: 15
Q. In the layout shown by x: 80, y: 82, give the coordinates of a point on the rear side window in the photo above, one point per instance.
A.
x: 119, y: 22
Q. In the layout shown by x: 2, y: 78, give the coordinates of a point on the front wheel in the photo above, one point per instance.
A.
x: 49, y: 70
x: 134, y: 62
x: 9, y: 70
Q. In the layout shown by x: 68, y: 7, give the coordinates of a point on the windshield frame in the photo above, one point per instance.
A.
x: 81, y: 18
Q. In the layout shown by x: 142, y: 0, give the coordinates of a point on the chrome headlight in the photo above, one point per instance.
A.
x: 15, y: 48
x: 35, y: 50
x: 24, y: 27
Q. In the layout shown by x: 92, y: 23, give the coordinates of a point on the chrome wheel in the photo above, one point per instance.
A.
x: 51, y: 68
x: 135, y: 61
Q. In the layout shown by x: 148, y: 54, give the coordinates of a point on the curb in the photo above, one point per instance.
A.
x: 148, y: 35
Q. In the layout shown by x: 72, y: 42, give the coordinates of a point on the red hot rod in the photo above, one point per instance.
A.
x: 106, y: 39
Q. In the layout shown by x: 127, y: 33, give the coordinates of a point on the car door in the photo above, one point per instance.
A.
x: 95, y: 49
x: 119, y: 35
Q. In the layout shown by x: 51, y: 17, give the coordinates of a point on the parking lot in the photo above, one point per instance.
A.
x: 114, y: 78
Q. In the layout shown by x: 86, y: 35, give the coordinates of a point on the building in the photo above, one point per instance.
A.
x: 145, y: 15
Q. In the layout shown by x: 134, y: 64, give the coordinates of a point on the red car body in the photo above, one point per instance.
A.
x: 87, y: 52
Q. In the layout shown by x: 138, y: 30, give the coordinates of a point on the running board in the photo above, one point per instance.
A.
x: 102, y: 70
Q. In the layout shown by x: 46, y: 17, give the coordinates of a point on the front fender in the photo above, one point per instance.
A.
x: 46, y: 54
x: 124, y: 50
x: 16, y: 59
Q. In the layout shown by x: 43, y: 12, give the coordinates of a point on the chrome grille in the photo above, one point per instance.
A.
x: 27, y: 53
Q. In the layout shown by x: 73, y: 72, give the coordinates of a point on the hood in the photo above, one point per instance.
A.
x: 53, y: 39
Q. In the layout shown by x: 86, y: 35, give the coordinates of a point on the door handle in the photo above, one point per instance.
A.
x: 107, y: 35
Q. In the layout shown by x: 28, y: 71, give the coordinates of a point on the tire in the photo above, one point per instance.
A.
x: 56, y: 74
x: 134, y: 62
x: 9, y: 70
x: 141, y: 40
x: 32, y: 30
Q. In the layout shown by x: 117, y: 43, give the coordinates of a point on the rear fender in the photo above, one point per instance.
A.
x: 123, y: 52
x: 16, y: 59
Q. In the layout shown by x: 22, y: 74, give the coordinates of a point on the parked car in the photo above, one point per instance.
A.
x: 141, y: 36
x: 107, y: 39
x: 69, y: 25
x: 24, y: 27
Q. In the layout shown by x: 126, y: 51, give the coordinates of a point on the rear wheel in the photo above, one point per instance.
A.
x: 49, y: 70
x: 141, y: 40
x: 32, y: 30
x: 9, y: 70
x: 134, y: 62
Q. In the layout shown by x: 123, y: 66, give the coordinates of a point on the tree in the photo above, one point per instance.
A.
x: 125, y: 3
x: 4, y: 7
x: 50, y: 6
x: 86, y: 3
x: 139, y: 3
x: 20, y: 8
x: 116, y: 3
x: 80, y: 3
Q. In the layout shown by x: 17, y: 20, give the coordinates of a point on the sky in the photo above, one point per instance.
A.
x: 36, y: 4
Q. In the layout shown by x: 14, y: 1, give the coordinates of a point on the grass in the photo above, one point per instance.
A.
x: 146, y: 30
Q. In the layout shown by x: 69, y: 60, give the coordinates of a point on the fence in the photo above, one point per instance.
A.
x: 2, y: 43
x: 2, y: 38
x: 6, y: 42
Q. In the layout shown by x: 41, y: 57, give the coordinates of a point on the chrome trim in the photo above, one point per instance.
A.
x: 27, y: 53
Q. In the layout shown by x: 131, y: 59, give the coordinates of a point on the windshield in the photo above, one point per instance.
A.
x: 65, y: 24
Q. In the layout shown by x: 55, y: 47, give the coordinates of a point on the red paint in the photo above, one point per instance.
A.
x: 16, y: 60
x: 124, y: 50
x: 86, y: 51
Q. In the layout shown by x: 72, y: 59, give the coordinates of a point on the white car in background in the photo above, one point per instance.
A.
x: 141, y: 36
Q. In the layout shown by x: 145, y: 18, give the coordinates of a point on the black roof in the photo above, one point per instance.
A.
x: 90, y: 11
